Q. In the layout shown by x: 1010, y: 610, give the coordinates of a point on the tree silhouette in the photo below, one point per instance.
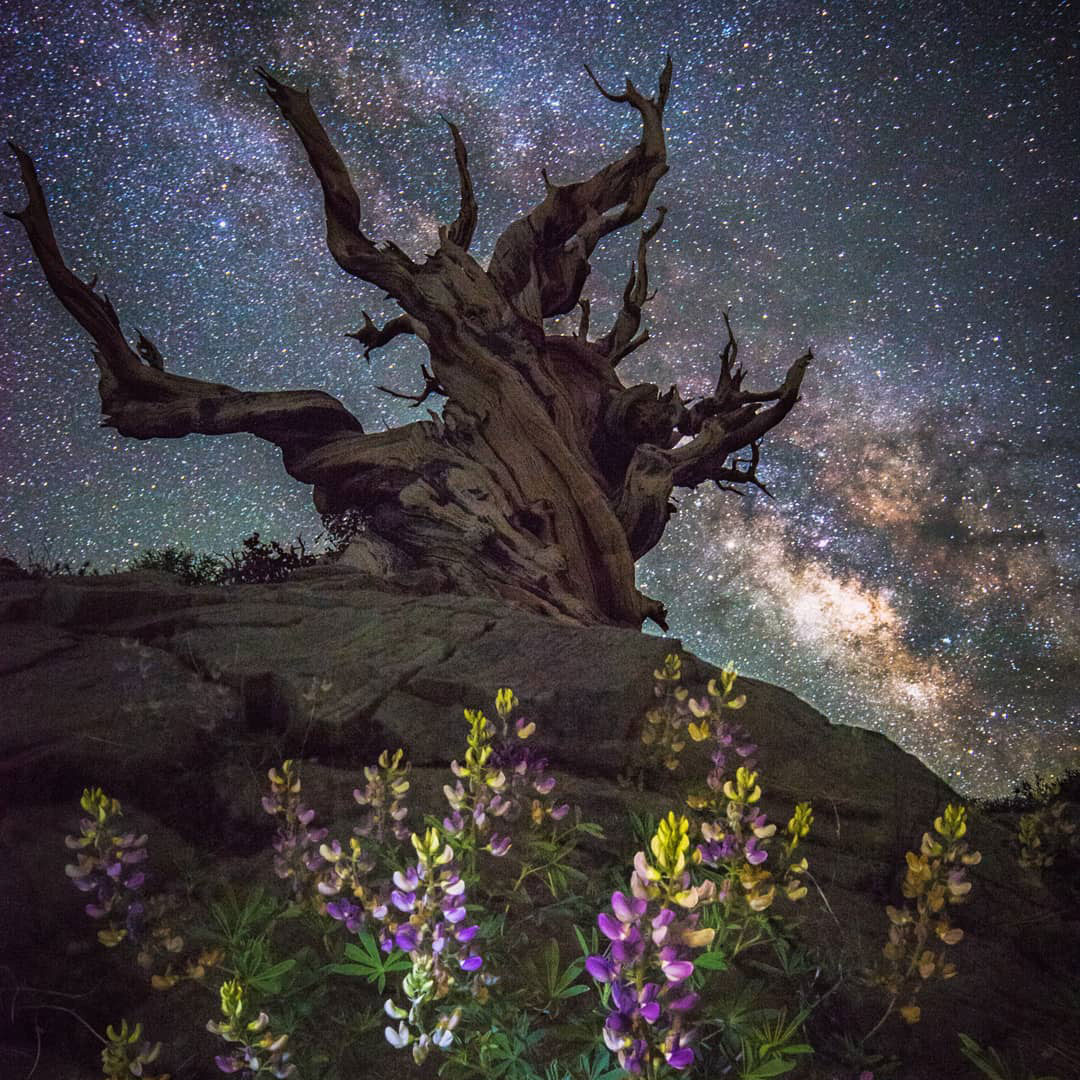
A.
x: 545, y: 478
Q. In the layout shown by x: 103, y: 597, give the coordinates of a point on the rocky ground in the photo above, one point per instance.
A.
x: 175, y: 699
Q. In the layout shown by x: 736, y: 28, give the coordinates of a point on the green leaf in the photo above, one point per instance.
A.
x: 581, y: 939
x: 711, y: 961
x: 775, y: 1067
x: 370, y: 962
x: 348, y: 969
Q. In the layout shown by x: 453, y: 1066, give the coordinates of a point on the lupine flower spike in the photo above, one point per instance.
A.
x: 258, y: 1052
x: 529, y: 785
x: 107, y: 866
x: 935, y: 878
x: 502, y: 780
x: 125, y: 1056
x: 426, y: 920
x: 384, y: 797
x: 477, y: 798
x: 296, y: 844
x: 652, y: 933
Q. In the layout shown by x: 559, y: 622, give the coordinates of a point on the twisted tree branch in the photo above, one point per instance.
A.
x: 372, y: 337
x: 460, y: 231
x: 431, y: 386
x: 540, y: 262
x: 619, y: 341
x: 390, y: 269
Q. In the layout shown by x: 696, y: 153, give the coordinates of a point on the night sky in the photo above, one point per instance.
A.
x: 893, y: 184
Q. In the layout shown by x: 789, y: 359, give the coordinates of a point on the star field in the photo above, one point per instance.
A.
x: 895, y: 186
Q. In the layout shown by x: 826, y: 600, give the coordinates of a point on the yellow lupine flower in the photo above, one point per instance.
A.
x: 672, y: 670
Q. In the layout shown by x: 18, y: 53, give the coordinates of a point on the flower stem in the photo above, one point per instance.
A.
x: 885, y: 1016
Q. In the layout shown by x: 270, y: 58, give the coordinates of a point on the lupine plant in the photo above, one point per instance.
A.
x: 431, y: 896
x: 737, y: 838
x: 653, y: 934
x: 107, y: 866
x: 127, y: 1054
x: 653, y: 952
x: 254, y: 1049
x: 737, y: 843
x: 1046, y: 833
x: 935, y: 878
x: 296, y: 844
x: 384, y: 799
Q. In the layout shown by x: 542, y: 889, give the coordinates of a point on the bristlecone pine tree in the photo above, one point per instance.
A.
x: 545, y: 477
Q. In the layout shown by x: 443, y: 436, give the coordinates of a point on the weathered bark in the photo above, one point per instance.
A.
x: 545, y: 478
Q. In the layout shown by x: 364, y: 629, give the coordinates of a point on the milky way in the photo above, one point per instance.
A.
x: 895, y: 185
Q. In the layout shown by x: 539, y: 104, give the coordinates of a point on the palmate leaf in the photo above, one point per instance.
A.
x: 370, y: 962
x: 711, y: 961
x: 594, y: 1067
x: 561, y: 984
x: 598, y: 1067
x: 268, y: 981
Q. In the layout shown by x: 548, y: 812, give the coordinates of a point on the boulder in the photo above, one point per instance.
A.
x: 176, y: 699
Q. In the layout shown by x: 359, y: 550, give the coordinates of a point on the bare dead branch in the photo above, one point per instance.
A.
x: 540, y: 262
x: 583, y: 326
x: 142, y: 400
x: 460, y: 231
x: 735, y: 475
x: 629, y: 347
x: 372, y: 337
x: 431, y: 386
x: 93, y: 313
x: 390, y: 269
x: 619, y: 342
x: 741, y: 423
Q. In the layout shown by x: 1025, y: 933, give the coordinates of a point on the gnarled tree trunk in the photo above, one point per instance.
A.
x: 545, y: 477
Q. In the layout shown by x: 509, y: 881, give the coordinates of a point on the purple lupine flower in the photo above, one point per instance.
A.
x: 660, y: 924
x: 454, y: 914
x: 406, y: 938
x: 674, y: 969
x: 754, y: 854
x: 498, y: 845
x: 685, y: 1003
x: 347, y: 912
x: 679, y: 1057
x: 601, y: 969
x: 403, y: 901
x: 626, y: 950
